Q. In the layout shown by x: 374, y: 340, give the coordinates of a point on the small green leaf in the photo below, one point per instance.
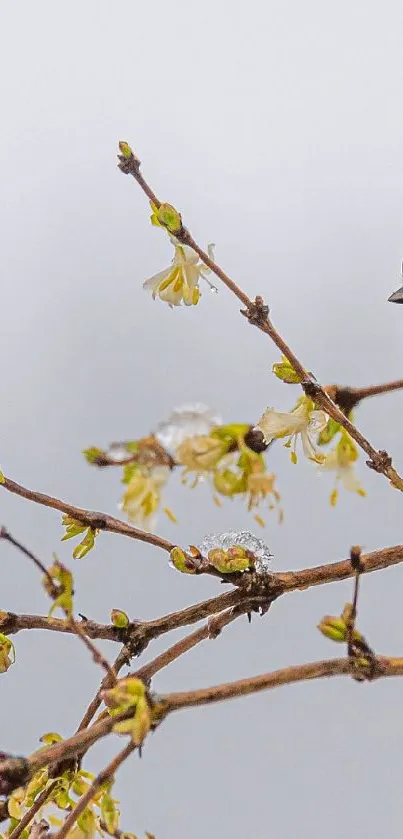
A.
x: 81, y: 550
x: 285, y: 372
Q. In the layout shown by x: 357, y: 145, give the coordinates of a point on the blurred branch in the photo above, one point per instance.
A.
x: 31, y: 813
x: 257, y: 313
x: 347, y: 398
x: 103, y: 777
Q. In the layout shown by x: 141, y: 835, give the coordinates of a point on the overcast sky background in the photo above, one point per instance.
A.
x: 276, y: 128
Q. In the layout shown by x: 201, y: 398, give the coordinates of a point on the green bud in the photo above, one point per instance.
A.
x: 180, y: 561
x: 94, y: 455
x: 50, y: 737
x: 285, y: 372
x: 169, y: 218
x: 334, y: 628
x: 228, y: 562
x: 125, y: 695
x: 2, y: 478
x: 139, y: 725
x: 119, y: 619
x: 125, y: 149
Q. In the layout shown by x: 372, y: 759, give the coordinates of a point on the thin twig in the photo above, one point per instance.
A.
x: 106, y: 683
x: 76, y: 627
x: 104, y: 776
x: 258, y: 314
x: 289, y: 675
x: 211, y: 629
x: 97, y: 655
x: 140, y: 634
x: 97, y: 521
x: 4, y: 534
x: 31, y: 813
x: 381, y: 667
x: 374, y: 390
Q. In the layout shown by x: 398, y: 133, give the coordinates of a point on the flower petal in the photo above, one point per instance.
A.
x: 153, y: 282
x: 277, y: 424
x: 349, y: 479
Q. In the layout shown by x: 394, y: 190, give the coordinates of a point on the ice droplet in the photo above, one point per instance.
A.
x: 186, y: 421
x: 244, y: 538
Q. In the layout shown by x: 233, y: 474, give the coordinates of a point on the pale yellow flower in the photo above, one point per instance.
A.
x: 302, y: 423
x: 142, y: 496
x: 341, y: 460
x: 201, y: 453
x: 180, y: 282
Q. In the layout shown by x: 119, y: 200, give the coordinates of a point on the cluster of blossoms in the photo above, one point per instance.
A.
x: 100, y: 816
x: 193, y: 438
x: 313, y: 429
x: 208, y: 450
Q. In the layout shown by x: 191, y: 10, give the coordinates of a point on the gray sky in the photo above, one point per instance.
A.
x: 276, y: 127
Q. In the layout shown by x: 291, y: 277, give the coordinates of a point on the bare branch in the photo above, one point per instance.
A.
x: 98, y: 521
x: 211, y: 629
x: 4, y: 534
x: 139, y: 634
x: 287, y: 676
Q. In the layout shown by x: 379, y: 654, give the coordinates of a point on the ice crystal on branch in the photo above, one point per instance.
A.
x: 243, y: 539
x: 188, y: 420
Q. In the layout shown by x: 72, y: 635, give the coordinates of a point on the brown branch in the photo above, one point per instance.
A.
x: 211, y: 629
x: 104, y: 776
x: 4, y: 534
x: 347, y: 398
x: 31, y: 813
x: 10, y: 624
x: 336, y: 571
x: 138, y: 635
x: 98, y: 521
x: 287, y: 676
x: 381, y: 667
x: 16, y: 771
x: 257, y: 314
x: 153, y: 629
x: 106, y: 683
x: 96, y: 654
